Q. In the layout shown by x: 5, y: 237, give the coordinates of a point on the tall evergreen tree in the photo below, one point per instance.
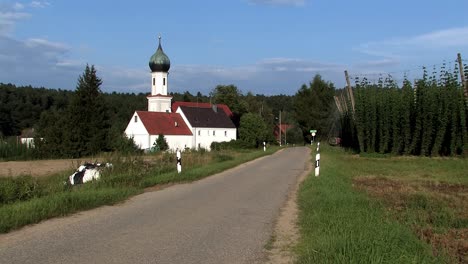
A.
x: 314, y: 107
x: 87, y: 122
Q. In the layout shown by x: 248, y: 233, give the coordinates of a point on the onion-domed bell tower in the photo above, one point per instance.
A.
x: 159, y: 64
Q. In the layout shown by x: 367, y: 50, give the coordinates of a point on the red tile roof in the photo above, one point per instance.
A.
x: 284, y: 127
x: 224, y: 107
x: 163, y: 123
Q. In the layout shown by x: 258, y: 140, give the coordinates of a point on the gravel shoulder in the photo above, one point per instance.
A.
x: 286, y: 234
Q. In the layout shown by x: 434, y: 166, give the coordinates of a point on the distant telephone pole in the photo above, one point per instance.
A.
x: 350, y: 91
x: 280, y: 127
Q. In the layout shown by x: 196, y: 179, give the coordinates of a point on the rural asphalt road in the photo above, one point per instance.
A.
x: 226, y: 218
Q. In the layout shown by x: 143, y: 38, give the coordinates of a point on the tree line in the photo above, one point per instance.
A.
x: 86, y: 121
x: 428, y: 117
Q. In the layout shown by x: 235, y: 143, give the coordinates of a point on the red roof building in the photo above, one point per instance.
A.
x: 284, y: 128
x: 223, y: 107
x: 183, y: 124
x: 160, y: 123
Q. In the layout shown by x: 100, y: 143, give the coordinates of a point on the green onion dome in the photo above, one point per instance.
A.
x: 159, y: 62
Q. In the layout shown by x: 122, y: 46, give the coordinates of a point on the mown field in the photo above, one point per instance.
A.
x: 384, y: 209
x: 26, y: 200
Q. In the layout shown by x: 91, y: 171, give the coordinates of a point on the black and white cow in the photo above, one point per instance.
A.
x: 87, y: 172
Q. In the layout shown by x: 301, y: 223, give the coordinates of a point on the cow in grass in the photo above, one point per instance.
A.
x: 87, y: 172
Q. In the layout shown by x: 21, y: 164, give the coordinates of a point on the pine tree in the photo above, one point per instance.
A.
x: 87, y: 124
x: 314, y: 106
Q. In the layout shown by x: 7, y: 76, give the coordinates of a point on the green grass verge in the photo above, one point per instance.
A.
x: 29, y: 212
x: 26, y: 200
x: 340, y: 224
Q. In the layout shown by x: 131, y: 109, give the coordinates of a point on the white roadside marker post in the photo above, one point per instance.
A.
x: 318, y: 146
x: 264, y: 146
x: 179, y: 161
x: 317, y: 164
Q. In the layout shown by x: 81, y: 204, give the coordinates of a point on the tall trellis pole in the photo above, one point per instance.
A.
x: 350, y: 91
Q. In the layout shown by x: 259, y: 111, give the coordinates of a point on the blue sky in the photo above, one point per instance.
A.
x: 263, y: 46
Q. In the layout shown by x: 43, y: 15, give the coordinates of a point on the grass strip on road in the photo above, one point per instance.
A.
x: 130, y: 177
x: 340, y: 223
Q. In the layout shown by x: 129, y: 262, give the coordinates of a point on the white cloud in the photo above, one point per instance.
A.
x: 39, y: 4
x: 37, y: 62
x: 18, y: 6
x: 267, y: 76
x: 379, y: 63
x: 8, y: 20
x: 442, y: 38
x: 397, y: 47
x: 279, y: 2
x: 38, y: 42
x: 10, y: 14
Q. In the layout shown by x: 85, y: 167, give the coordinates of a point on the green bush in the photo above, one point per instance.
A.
x: 17, y: 189
x: 126, y: 145
x: 223, y: 157
x: 11, y: 149
x: 230, y: 145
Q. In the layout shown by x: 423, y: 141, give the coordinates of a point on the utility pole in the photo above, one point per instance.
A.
x: 350, y: 91
x: 280, y: 127
x: 462, y: 76
x: 286, y: 134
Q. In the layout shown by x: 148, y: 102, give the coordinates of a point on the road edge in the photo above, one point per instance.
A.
x: 285, y: 236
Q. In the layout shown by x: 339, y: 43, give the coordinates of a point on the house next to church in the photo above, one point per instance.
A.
x: 183, y: 124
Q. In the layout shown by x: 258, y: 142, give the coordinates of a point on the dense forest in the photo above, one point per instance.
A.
x: 21, y: 106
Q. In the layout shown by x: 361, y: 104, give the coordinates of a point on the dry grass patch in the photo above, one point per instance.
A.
x: 436, y: 211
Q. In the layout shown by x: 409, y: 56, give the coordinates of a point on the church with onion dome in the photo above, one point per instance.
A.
x: 183, y: 124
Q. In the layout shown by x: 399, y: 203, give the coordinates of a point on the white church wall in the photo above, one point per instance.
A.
x: 136, y: 130
x: 203, y: 137
x: 175, y: 141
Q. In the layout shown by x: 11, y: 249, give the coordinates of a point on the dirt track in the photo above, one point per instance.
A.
x: 37, y: 167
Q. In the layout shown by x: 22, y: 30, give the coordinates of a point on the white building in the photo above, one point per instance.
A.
x: 183, y: 124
